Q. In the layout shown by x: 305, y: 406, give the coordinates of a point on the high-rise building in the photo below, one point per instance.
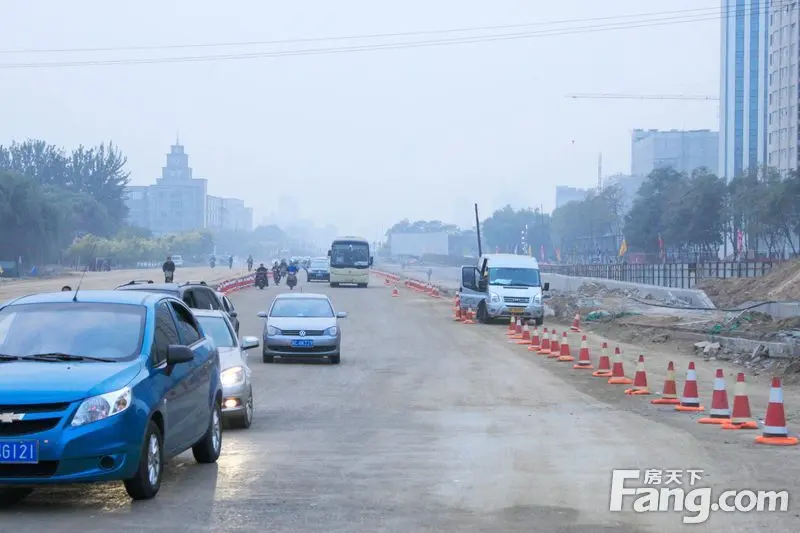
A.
x: 565, y: 195
x: 783, y: 77
x: 743, y: 86
x: 682, y: 150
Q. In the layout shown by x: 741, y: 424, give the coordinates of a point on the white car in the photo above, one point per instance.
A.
x: 178, y: 260
x: 235, y: 374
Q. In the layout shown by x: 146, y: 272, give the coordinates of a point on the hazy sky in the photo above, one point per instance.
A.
x: 362, y: 139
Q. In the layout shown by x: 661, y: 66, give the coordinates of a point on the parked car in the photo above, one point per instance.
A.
x: 178, y: 260
x: 195, y: 294
x: 235, y: 374
x: 227, y: 306
x: 319, y: 270
x: 301, y: 326
x: 103, y: 386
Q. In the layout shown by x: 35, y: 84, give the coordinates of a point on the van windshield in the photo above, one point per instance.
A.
x: 517, y: 277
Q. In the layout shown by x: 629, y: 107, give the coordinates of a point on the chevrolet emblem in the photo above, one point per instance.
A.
x: 7, y: 418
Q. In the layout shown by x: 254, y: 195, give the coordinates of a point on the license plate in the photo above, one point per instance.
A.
x: 20, y: 452
x: 303, y: 343
x: 516, y: 310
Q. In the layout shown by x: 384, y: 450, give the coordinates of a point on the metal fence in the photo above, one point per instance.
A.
x: 675, y: 275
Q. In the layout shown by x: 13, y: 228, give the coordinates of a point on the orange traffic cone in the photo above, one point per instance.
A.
x: 564, y: 354
x: 555, y: 347
x: 584, y: 361
x: 468, y: 318
x: 720, y: 412
x: 576, y: 323
x: 639, y: 380
x: 691, y: 398
x: 386, y: 281
x: 526, y: 335
x: 669, y: 396
x: 518, y: 329
x: 395, y: 292
x: 775, y: 431
x: 604, y: 366
x: 618, y: 371
x: 544, y: 349
x: 457, y: 314
x: 512, y: 324
x: 740, y: 417
x: 535, y: 341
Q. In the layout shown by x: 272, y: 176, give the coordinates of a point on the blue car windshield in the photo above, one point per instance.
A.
x: 103, y: 330
x: 516, y: 277
x: 301, y: 308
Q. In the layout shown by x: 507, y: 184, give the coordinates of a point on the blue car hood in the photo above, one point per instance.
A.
x: 27, y: 382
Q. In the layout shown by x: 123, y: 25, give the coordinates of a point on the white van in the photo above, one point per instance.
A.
x: 502, y: 285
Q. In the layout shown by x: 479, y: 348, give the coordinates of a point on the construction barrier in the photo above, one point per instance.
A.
x: 236, y: 284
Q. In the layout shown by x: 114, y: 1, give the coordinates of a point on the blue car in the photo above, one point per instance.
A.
x: 106, y: 390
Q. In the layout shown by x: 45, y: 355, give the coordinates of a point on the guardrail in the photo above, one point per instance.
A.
x: 236, y: 284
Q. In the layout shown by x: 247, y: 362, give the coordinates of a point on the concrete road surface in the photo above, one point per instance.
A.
x: 426, y: 426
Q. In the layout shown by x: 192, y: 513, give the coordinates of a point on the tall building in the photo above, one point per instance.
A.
x: 682, y: 150
x: 178, y: 202
x: 743, y: 86
x: 783, y: 77
x: 228, y: 214
x: 565, y: 195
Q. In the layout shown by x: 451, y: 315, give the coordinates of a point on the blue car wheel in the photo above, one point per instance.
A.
x: 145, y: 483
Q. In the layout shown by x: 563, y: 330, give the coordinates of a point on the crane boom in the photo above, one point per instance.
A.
x: 612, y: 96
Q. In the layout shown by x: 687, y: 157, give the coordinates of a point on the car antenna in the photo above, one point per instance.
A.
x: 80, y: 281
x: 75, y: 296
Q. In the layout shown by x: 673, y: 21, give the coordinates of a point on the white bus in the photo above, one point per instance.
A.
x: 350, y: 261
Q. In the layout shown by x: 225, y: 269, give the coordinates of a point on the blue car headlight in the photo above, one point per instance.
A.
x: 332, y: 331
x: 102, y: 406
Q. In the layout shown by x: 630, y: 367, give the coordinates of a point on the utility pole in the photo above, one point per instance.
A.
x: 600, y: 172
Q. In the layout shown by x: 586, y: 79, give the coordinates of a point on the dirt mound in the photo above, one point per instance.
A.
x: 782, y: 284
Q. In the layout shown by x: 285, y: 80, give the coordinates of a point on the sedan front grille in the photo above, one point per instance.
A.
x: 40, y: 469
x: 299, y: 349
x: 296, y: 332
x: 34, y: 408
x: 26, y: 427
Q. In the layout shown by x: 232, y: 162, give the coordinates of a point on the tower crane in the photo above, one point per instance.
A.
x: 613, y: 96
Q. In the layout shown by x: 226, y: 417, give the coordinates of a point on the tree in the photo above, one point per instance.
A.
x: 504, y: 230
x: 422, y: 226
x: 82, y: 192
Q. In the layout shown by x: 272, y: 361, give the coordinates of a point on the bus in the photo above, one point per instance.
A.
x: 350, y: 261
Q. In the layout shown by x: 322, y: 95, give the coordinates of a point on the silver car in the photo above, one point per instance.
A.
x: 302, y: 326
x: 235, y: 374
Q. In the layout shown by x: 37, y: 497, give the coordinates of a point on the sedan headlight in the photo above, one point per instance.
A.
x: 102, y: 406
x: 272, y: 331
x: 494, y: 297
x: 332, y: 331
x: 232, y: 376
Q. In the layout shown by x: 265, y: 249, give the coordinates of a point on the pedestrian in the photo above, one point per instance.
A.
x: 430, y: 273
x: 230, y: 262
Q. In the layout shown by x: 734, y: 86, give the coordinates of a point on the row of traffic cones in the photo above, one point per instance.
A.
x: 738, y: 418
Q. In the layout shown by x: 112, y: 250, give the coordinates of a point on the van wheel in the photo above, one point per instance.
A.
x: 208, y: 448
x: 145, y: 483
x: 483, y: 315
x: 539, y: 321
x: 13, y: 495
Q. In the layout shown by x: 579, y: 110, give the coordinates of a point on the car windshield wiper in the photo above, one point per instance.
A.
x: 58, y: 356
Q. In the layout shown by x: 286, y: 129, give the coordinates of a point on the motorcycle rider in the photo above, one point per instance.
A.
x: 291, y: 275
x: 276, y: 272
x: 169, y: 270
x: 262, y: 270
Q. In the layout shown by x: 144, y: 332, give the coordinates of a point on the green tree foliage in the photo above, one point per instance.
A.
x: 596, y: 222
x: 504, y: 230
x: 422, y: 226
x: 67, y: 195
x: 127, y: 250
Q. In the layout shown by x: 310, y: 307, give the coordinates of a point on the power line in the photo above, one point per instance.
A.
x: 663, y: 21
x: 695, y: 11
